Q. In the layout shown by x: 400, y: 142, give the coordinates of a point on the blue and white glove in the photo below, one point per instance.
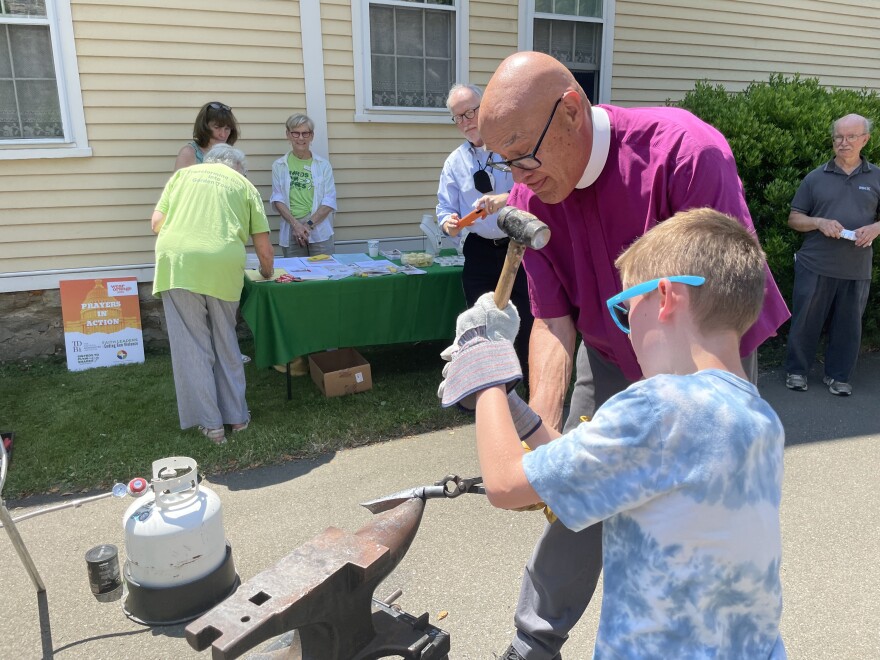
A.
x: 482, y: 354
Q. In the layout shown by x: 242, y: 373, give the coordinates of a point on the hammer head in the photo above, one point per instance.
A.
x: 523, y: 227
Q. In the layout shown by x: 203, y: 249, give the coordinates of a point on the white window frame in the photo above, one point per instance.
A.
x: 75, y: 142
x: 365, y: 111
x: 527, y: 16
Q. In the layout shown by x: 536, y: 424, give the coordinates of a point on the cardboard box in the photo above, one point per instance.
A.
x: 343, y: 371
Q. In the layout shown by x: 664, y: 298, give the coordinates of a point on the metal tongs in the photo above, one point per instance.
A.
x: 450, y: 486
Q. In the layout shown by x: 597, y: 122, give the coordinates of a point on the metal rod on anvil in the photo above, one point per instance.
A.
x: 449, y: 486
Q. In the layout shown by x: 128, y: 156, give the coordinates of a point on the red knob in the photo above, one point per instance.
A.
x: 137, y: 486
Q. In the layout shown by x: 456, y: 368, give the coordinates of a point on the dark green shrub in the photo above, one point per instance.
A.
x: 779, y: 130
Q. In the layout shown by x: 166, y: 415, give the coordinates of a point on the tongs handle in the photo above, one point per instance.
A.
x: 453, y: 485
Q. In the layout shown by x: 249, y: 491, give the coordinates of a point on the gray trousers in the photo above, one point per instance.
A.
x: 815, y: 300
x: 561, y: 576
x: 308, y: 250
x: 205, y: 358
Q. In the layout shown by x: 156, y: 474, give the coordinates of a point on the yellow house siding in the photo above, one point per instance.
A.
x: 145, y: 69
x: 662, y: 48
x: 387, y: 173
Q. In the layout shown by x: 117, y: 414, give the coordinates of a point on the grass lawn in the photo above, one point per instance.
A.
x: 87, y: 430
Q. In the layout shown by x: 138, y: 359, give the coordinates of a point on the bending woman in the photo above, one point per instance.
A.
x: 204, y: 218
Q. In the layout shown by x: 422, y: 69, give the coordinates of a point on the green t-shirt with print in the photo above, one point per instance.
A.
x: 302, y: 188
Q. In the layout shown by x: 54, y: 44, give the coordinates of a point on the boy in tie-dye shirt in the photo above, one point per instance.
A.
x: 684, y: 467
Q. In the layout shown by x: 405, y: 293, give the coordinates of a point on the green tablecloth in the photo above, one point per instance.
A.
x: 297, y: 318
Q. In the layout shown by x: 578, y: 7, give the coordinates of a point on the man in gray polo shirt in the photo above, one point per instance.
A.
x: 836, y: 207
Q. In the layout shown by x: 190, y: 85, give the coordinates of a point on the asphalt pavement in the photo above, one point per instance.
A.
x: 464, y: 566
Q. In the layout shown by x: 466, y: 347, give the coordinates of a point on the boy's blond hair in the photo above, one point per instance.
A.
x: 707, y: 243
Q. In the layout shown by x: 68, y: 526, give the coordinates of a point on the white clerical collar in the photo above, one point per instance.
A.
x: 599, y: 152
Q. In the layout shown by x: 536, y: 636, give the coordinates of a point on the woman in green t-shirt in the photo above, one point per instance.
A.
x: 304, y: 193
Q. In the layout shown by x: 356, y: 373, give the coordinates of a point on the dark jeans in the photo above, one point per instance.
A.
x: 483, y: 262
x: 817, y: 299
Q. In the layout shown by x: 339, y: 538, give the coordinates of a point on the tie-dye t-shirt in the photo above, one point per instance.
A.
x: 686, y: 472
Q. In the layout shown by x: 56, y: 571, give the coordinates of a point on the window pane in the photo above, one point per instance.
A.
x: 541, y: 37
x: 10, y: 127
x: 438, y: 25
x: 410, y: 82
x: 5, y: 63
x: 588, y: 40
x: 29, y: 105
x: 28, y: 8
x: 448, y: 3
x: 384, y: 88
x: 568, y: 7
x: 38, y: 104
x: 31, y: 51
x: 408, y: 31
x: 381, y: 30
x: 591, y: 8
x: 413, y: 55
x: 562, y: 41
x: 545, y: 6
x: 437, y: 77
x: 575, y: 44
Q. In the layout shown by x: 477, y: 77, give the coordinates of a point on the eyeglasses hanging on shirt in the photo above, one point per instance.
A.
x: 484, y: 182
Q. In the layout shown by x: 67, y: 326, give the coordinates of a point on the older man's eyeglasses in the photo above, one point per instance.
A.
x: 620, y: 312
x: 467, y: 114
x: 299, y: 134
x: 531, y: 161
x: 852, y: 137
x: 219, y: 106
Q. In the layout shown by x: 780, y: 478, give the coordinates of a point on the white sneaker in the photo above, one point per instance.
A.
x: 837, y: 387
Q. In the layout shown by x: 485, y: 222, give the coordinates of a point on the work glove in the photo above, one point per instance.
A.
x: 482, y: 354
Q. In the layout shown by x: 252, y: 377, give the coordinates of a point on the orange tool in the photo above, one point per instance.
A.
x: 472, y: 217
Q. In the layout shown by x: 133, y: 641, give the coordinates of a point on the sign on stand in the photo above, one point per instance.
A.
x: 102, y: 322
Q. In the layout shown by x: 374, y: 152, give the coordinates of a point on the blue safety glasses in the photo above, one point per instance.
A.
x: 620, y: 313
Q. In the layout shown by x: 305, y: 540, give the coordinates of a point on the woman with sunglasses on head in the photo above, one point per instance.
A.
x: 468, y: 182
x: 215, y: 124
x: 304, y: 193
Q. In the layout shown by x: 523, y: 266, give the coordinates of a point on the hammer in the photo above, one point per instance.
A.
x: 524, y: 230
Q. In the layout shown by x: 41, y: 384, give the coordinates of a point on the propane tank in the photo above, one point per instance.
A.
x: 179, y: 564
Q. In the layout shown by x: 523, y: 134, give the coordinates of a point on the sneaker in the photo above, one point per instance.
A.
x: 510, y: 653
x: 796, y: 382
x: 836, y: 387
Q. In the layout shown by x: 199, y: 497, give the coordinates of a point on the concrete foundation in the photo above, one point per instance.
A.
x: 31, y: 324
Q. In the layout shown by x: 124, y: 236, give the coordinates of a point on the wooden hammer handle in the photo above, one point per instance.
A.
x: 512, y: 260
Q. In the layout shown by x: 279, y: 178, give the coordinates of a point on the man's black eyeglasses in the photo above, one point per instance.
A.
x: 529, y: 162
x: 467, y: 114
x: 219, y: 106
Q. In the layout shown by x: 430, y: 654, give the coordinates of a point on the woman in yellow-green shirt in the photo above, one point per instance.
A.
x: 204, y: 218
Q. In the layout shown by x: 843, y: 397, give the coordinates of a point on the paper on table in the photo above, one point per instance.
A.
x: 375, y: 264
x: 313, y: 273
x: 292, y: 263
x: 352, y: 258
x: 254, y: 275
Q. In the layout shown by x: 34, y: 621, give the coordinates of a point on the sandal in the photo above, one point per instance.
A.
x: 217, y: 436
x: 238, y: 428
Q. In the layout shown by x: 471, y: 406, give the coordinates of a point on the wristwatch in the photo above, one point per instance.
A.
x: 310, y: 223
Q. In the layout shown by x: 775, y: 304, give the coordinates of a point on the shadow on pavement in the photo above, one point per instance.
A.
x: 271, y: 475
x: 816, y: 415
